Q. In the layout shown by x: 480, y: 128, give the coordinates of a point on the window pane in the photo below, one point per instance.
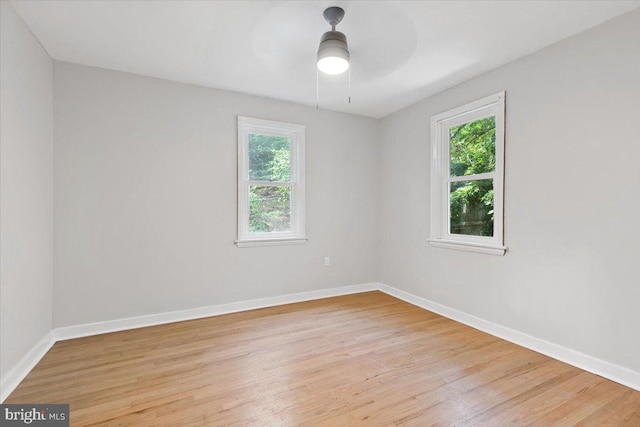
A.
x: 471, y: 207
x: 269, y: 209
x: 472, y: 147
x: 269, y: 158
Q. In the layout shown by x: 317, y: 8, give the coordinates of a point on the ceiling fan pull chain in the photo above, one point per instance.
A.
x: 349, y: 85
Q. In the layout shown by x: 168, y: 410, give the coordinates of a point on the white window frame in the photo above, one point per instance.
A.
x: 440, y: 235
x: 296, y: 135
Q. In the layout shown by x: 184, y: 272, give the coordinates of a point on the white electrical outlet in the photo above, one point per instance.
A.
x: 327, y: 261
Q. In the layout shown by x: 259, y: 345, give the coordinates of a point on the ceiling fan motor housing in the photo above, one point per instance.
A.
x: 333, y: 43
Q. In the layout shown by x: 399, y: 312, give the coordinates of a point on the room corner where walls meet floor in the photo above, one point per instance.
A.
x: 619, y: 374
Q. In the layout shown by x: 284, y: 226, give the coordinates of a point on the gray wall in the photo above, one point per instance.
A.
x: 572, y: 202
x: 145, y: 206
x: 26, y: 206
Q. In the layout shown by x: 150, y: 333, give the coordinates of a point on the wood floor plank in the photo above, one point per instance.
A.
x: 365, y: 359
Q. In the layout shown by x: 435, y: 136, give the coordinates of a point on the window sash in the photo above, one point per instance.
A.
x: 478, y: 114
x: 292, y: 209
x: 270, y: 183
x: 293, y: 150
x: 465, y: 237
x: 472, y: 177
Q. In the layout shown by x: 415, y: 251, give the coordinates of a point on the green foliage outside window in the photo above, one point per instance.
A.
x: 269, y: 206
x: 472, y: 149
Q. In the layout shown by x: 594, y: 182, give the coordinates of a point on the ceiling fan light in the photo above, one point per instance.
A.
x: 333, y: 53
x: 333, y: 65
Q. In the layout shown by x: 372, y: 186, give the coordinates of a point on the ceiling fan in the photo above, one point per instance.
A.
x: 333, y: 52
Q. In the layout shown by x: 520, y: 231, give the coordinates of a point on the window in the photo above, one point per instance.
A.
x: 467, y: 177
x: 270, y: 183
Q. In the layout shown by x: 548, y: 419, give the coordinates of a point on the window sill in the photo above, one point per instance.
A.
x: 276, y: 241
x: 468, y: 246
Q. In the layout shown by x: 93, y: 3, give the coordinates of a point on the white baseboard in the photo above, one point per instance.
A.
x: 597, y: 366
x: 78, y: 331
x: 25, y: 365
x: 20, y: 371
x: 575, y: 358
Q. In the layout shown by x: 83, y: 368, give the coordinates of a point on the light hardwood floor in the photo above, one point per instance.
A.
x: 353, y: 360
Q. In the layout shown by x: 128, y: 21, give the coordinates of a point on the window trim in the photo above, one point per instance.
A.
x: 296, y: 135
x: 440, y: 235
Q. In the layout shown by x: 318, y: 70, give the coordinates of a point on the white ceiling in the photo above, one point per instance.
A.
x: 401, y: 51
